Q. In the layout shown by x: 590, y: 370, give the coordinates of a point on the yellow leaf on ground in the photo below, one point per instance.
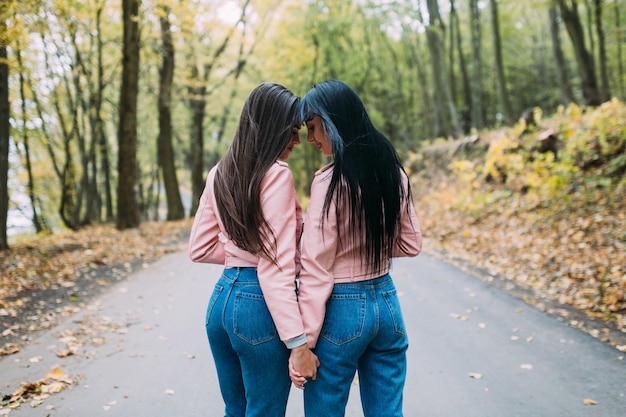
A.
x: 56, y: 374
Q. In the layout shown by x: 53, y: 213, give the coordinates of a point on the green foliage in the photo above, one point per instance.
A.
x: 378, y: 47
x: 590, y: 154
x: 599, y: 144
x: 553, y: 223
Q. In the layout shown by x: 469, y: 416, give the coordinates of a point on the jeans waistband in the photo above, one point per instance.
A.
x: 368, y: 283
x: 241, y: 275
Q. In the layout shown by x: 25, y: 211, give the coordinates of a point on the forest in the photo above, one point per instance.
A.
x: 112, y: 113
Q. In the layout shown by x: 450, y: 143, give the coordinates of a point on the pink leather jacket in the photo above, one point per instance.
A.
x: 209, y: 243
x: 325, y: 262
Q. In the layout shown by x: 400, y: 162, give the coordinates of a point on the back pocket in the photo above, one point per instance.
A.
x: 252, y: 320
x: 345, y: 318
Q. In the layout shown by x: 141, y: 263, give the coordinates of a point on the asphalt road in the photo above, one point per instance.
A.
x: 474, y: 352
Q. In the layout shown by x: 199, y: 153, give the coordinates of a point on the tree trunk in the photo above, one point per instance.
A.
x: 102, y: 146
x: 93, y: 109
x: 620, y: 65
x: 445, y: 123
x: 175, y: 210
x: 584, y: 60
x: 102, y: 150
x: 562, y: 73
x: 197, y: 91
x: 452, y: 27
x: 4, y: 136
x: 197, y: 103
x: 39, y: 224
x: 467, y: 94
x: 127, y: 208
x: 605, y: 89
x: 66, y: 104
x: 505, y: 103
x: 477, y: 79
x: 414, y: 56
x: 84, y: 195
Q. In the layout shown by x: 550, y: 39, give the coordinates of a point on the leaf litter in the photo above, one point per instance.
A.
x: 36, y: 392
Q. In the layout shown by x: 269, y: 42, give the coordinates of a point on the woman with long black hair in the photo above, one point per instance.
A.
x: 360, y: 215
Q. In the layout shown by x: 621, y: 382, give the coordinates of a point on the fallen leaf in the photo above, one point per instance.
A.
x: 9, y: 349
x: 36, y: 403
x: 588, y: 401
x: 56, y: 374
x: 64, y: 353
x: 52, y: 388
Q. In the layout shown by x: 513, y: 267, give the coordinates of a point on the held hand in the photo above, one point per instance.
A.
x: 302, y: 364
x: 296, y: 377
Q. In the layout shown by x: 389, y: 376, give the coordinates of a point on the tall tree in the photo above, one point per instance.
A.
x: 414, y: 56
x: 560, y: 64
x: 505, y: 102
x: 584, y: 60
x: 605, y: 90
x: 197, y: 93
x: 477, y: 64
x: 446, y: 123
x: 98, y: 125
x: 38, y: 221
x: 620, y: 65
x: 96, y: 158
x: 4, y: 127
x: 127, y: 207
x: 467, y: 87
x: 165, y: 149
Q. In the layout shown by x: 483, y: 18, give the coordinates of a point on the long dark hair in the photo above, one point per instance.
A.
x: 267, y: 120
x: 366, y: 178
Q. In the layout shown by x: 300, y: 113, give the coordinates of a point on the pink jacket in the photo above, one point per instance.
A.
x: 325, y: 262
x: 209, y: 243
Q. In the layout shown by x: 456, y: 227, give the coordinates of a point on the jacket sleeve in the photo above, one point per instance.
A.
x: 409, y: 241
x: 277, y: 280
x: 319, y: 249
x: 205, y: 244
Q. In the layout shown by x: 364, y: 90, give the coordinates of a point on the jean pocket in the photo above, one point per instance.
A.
x: 345, y: 318
x: 393, y: 304
x: 252, y: 321
x: 217, y: 291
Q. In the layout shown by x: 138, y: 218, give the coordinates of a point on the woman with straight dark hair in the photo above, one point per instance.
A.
x: 360, y: 215
x: 250, y: 221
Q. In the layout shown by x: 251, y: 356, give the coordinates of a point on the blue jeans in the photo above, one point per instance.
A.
x: 250, y: 358
x: 363, y: 331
